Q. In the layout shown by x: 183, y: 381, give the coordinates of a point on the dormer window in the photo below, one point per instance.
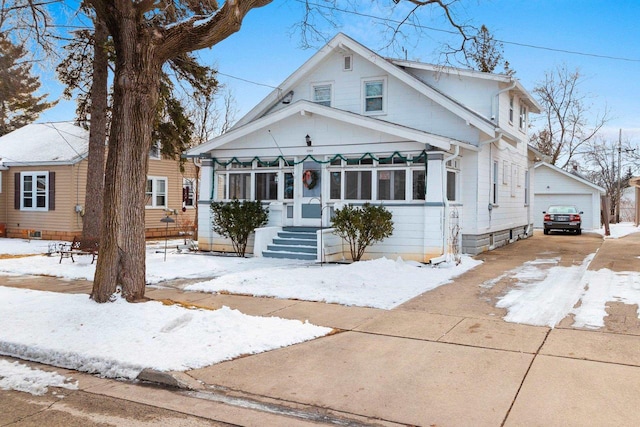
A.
x: 374, y: 91
x: 322, y: 94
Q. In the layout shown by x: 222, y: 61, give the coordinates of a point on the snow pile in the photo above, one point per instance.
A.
x: 544, y: 297
x: 120, y: 339
x: 603, y: 286
x: 380, y: 283
x: 619, y: 230
x: 20, y: 377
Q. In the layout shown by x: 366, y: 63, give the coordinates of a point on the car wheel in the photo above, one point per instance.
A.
x: 579, y: 231
x: 546, y: 231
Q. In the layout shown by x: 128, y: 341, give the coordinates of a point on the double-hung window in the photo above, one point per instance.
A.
x: 374, y: 94
x: 156, y: 192
x: 34, y: 191
x: 523, y: 117
x: 322, y: 94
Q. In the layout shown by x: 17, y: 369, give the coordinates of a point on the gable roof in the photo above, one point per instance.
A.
x: 44, y: 143
x: 570, y: 175
x: 307, y: 108
x: 393, y: 68
x: 533, y: 105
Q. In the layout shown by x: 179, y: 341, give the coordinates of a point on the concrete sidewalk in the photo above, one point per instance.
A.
x: 444, y: 358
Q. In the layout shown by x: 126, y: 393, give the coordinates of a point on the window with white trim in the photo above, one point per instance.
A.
x: 374, y: 96
x: 358, y: 185
x: 392, y: 184
x: 266, y: 185
x: 240, y: 186
x: 34, y: 191
x: 523, y: 117
x: 322, y: 94
x: 155, y: 152
x: 188, y: 192
x: 494, y: 199
x: 268, y: 179
x: 526, y: 188
x: 452, y: 181
x: 156, y: 192
x: 511, y: 109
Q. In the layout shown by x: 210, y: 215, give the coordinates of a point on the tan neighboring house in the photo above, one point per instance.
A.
x: 43, y: 170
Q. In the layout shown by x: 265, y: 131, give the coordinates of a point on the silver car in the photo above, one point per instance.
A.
x: 562, y: 217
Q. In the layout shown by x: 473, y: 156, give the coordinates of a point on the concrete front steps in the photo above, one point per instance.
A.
x: 294, y: 243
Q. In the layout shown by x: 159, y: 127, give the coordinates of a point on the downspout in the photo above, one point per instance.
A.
x: 445, y: 210
x: 482, y: 144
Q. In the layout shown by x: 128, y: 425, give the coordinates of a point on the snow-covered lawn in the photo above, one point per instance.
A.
x: 380, y: 283
x: 74, y: 332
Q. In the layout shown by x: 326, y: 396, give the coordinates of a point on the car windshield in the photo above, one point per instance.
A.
x: 562, y: 209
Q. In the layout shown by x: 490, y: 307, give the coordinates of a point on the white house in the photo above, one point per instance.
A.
x: 444, y: 149
x: 555, y: 186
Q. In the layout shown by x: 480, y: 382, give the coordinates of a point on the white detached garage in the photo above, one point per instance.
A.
x: 555, y: 186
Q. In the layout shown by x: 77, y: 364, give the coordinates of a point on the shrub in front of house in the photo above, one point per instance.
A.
x: 236, y: 220
x: 362, y: 227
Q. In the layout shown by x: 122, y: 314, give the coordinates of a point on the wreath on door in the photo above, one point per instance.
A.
x: 310, y: 179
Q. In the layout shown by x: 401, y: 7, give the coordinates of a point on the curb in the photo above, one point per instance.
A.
x: 171, y: 378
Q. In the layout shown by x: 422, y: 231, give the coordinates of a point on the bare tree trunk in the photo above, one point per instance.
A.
x: 136, y: 87
x: 92, y: 220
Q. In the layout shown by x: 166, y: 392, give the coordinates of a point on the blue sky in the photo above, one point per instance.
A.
x: 267, y: 48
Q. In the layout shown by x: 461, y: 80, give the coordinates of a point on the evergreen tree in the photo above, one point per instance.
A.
x: 486, y: 52
x: 18, y: 104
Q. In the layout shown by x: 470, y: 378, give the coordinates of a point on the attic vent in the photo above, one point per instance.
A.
x: 348, y: 63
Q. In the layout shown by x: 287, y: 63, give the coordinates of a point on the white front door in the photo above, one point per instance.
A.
x: 308, y: 197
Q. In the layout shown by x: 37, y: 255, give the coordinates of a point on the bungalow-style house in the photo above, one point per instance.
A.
x: 43, y: 169
x: 444, y: 149
x: 555, y: 186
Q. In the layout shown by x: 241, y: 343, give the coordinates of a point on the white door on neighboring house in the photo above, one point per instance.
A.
x: 308, y: 206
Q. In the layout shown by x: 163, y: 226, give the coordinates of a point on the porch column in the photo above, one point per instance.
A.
x: 205, y: 238
x: 434, y: 220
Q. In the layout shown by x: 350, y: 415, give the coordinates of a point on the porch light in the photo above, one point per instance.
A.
x: 308, y: 139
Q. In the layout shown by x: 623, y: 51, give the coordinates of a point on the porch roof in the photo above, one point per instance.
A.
x: 307, y: 108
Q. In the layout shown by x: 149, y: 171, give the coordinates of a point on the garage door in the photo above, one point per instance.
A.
x: 582, y: 201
